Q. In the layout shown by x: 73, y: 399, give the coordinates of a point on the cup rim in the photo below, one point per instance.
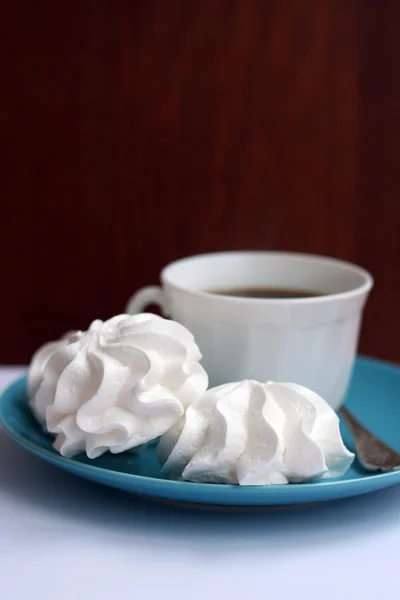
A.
x: 364, y: 288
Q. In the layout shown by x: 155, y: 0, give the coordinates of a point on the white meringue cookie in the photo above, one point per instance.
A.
x: 39, y: 360
x: 122, y: 383
x: 250, y: 433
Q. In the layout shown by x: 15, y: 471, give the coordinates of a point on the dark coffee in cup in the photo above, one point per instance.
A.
x: 266, y: 292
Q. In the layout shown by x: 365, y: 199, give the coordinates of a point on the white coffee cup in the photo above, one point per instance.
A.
x: 311, y: 341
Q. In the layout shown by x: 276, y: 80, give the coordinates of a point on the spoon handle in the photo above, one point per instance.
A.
x: 355, y: 426
x: 373, y: 453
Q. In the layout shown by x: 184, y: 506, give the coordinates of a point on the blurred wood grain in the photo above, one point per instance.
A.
x: 137, y: 132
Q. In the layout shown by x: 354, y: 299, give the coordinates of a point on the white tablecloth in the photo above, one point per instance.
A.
x: 62, y: 537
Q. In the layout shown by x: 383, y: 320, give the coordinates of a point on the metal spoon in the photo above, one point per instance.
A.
x: 372, y: 453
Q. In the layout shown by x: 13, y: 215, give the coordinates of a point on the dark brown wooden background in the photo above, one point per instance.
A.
x: 136, y: 132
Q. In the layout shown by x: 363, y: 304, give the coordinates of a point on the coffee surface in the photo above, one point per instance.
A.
x: 266, y: 292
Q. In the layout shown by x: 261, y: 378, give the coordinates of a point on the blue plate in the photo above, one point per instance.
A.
x: 374, y: 396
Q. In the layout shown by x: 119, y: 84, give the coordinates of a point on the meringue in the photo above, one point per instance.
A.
x: 39, y: 360
x: 249, y: 433
x: 120, y: 384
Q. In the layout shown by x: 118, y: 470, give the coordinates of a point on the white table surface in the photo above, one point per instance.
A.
x: 65, y: 538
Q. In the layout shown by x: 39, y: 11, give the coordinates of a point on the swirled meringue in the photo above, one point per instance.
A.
x: 120, y: 384
x: 250, y: 433
x: 39, y: 360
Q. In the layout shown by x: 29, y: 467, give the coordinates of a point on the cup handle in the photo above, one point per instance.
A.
x: 144, y: 297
